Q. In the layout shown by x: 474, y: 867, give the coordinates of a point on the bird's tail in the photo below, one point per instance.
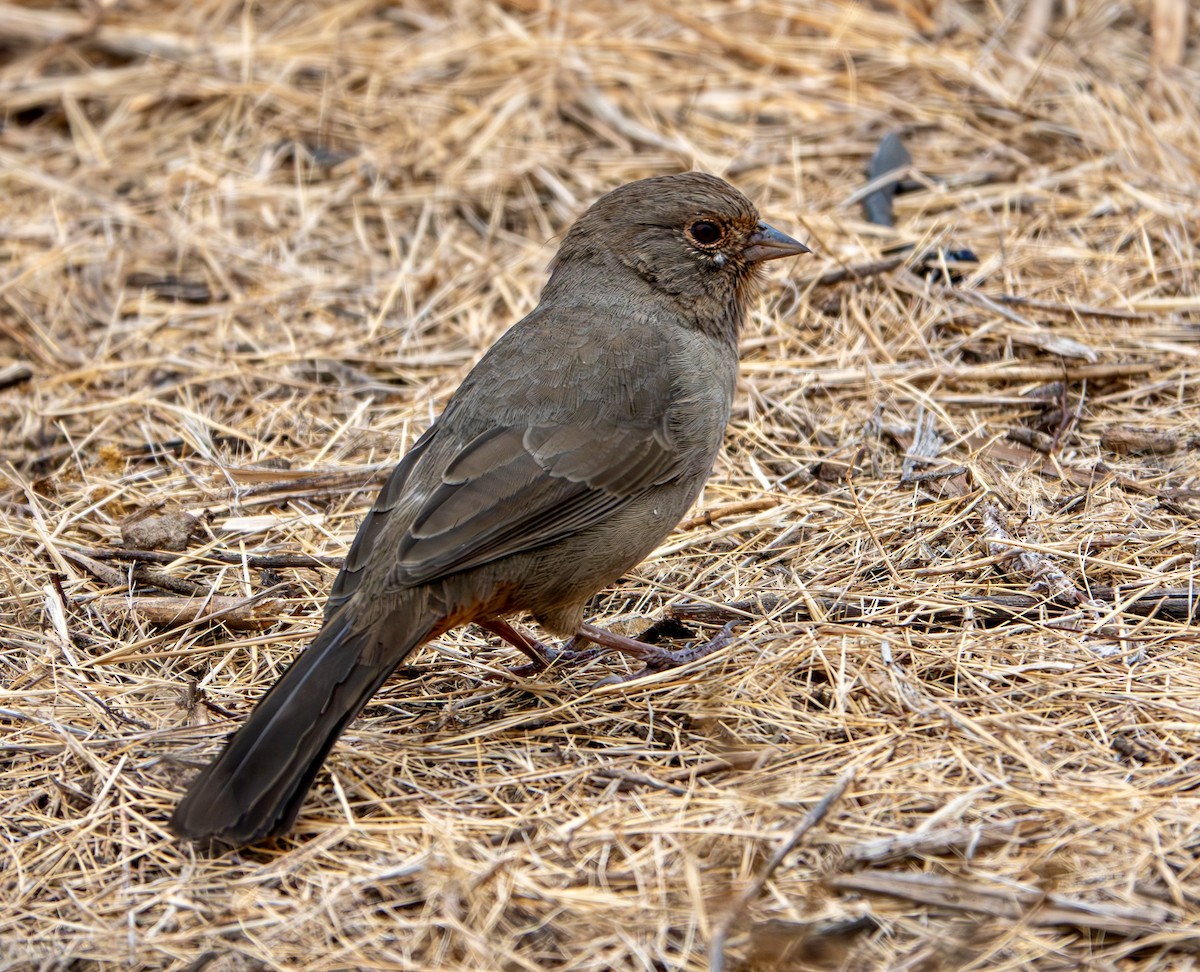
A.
x: 254, y: 788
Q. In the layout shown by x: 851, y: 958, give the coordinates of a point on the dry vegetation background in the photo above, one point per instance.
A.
x: 246, y: 253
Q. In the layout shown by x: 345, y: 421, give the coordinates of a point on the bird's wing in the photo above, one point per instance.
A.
x: 510, y: 489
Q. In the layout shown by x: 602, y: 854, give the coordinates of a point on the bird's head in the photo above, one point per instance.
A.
x: 691, y: 239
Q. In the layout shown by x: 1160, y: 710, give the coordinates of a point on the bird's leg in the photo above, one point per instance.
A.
x: 541, y: 656
x: 654, y: 658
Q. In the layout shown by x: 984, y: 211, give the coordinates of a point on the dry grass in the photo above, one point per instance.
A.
x: 354, y: 199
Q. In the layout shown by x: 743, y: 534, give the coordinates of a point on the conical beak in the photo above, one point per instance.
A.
x: 768, y: 243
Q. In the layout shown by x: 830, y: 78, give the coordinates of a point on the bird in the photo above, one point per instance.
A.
x: 567, y: 454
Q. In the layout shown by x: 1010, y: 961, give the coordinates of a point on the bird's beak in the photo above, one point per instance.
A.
x: 768, y: 243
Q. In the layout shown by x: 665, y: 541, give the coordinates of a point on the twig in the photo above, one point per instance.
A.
x: 237, y: 613
x: 1014, y: 902
x: 1042, y: 572
x: 628, y: 779
x: 272, y: 561
x: 716, y: 961
x: 48, y: 26
x: 709, y: 517
x: 925, y: 446
x: 963, y: 839
x: 1173, y: 604
x: 14, y: 374
x: 991, y: 374
x: 860, y: 271
x: 1071, y: 312
x: 156, y: 578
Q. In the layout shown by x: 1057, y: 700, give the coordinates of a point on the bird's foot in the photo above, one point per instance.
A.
x: 653, y: 658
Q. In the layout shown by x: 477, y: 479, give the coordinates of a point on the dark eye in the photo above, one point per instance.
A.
x: 706, y: 232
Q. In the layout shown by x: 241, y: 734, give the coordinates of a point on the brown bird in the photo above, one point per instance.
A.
x: 567, y: 455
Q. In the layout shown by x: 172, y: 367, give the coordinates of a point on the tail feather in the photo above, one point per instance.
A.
x: 255, y: 787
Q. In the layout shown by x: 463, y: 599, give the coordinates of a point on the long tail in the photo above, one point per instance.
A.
x: 255, y: 787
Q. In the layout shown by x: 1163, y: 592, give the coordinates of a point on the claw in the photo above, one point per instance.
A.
x: 722, y: 639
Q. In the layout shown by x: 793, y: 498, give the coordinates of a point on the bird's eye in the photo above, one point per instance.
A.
x: 706, y: 232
